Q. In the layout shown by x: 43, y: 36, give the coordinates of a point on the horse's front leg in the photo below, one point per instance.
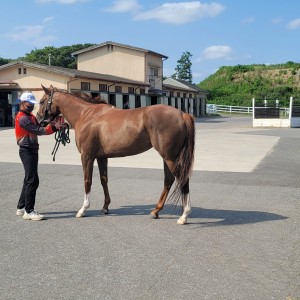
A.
x: 87, y: 164
x: 102, y: 165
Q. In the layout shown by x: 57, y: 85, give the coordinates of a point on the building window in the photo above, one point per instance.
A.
x: 190, y: 96
x: 20, y: 71
x: 153, y: 71
x: 130, y: 90
x: 153, y: 75
x: 85, y: 86
x: 110, y: 47
x: 142, y: 91
x: 24, y: 71
x: 118, y: 89
x: 184, y: 95
x: 103, y: 87
x: 171, y: 94
x: 178, y: 94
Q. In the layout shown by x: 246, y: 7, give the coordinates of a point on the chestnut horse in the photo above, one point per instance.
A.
x: 103, y: 131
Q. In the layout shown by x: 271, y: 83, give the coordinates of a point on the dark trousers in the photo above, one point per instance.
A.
x: 29, y: 159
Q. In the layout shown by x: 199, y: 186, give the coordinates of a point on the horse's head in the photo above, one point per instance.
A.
x: 48, y: 110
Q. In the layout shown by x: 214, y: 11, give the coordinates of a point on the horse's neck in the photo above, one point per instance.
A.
x: 71, y: 107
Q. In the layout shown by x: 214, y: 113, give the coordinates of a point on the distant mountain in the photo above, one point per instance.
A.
x: 237, y: 85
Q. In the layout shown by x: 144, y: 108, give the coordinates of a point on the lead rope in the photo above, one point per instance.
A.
x: 61, y: 136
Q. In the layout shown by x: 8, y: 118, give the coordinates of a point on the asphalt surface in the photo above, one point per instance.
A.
x: 242, y: 240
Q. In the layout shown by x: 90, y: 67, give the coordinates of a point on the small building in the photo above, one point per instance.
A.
x: 185, y: 96
x: 125, y: 61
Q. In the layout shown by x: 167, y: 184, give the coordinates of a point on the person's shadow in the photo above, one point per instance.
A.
x: 211, y: 217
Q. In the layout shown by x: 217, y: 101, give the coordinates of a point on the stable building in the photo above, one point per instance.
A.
x: 120, y: 74
x: 185, y: 96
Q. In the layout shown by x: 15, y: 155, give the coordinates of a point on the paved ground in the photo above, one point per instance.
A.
x: 242, y: 240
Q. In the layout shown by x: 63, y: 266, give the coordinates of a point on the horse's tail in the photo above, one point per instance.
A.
x: 185, y: 160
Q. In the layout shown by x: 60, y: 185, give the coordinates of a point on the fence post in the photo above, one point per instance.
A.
x: 253, y: 110
x: 291, y: 110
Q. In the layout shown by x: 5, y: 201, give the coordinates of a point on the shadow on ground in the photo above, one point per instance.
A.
x: 210, y: 217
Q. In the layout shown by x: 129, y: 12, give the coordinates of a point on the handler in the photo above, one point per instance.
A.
x: 27, y: 129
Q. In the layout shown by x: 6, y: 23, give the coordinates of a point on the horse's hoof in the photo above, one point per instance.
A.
x: 153, y: 215
x: 181, y: 221
x: 80, y: 215
x: 104, y: 211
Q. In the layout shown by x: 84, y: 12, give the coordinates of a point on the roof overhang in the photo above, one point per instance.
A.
x: 7, y: 83
x: 156, y: 92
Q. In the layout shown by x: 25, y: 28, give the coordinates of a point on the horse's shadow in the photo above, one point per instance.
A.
x: 210, y: 217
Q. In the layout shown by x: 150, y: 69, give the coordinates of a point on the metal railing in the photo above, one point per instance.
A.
x: 214, y: 108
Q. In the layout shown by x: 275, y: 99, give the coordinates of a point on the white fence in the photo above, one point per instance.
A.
x: 214, y: 109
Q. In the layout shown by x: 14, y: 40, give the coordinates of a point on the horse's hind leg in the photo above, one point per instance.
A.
x: 168, y: 181
x: 87, y: 164
x: 186, y: 204
x: 102, y: 165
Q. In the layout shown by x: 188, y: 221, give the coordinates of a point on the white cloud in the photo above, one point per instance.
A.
x: 295, y: 24
x: 216, y: 52
x: 181, y: 12
x: 32, y: 34
x: 48, y: 19
x: 197, y: 75
x: 276, y: 20
x: 61, y: 1
x: 121, y: 6
x: 248, y: 20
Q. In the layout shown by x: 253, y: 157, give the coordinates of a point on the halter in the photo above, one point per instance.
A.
x: 48, y: 107
x: 61, y: 136
x: 49, y: 103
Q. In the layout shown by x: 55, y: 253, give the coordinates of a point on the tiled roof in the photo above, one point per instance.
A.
x: 179, y: 84
x: 119, y: 45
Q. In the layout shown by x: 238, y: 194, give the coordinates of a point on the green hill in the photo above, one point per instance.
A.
x: 237, y: 85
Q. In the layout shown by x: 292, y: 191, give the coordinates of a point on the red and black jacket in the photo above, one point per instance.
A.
x: 27, y: 129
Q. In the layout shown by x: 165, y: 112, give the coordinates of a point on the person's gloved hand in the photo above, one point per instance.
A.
x: 58, y: 125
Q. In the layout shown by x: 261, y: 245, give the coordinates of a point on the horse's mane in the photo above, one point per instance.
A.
x: 84, y: 96
x: 87, y: 98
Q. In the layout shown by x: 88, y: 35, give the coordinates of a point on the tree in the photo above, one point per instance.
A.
x: 4, y: 61
x: 60, y: 57
x: 183, y: 69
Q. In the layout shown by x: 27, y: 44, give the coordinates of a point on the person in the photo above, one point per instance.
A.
x: 126, y: 105
x: 27, y: 129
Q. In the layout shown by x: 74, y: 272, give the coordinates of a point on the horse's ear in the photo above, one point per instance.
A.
x: 47, y: 91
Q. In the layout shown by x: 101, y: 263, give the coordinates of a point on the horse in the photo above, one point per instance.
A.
x: 103, y: 131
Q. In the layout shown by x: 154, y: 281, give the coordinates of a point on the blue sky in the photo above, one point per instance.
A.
x: 217, y: 33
